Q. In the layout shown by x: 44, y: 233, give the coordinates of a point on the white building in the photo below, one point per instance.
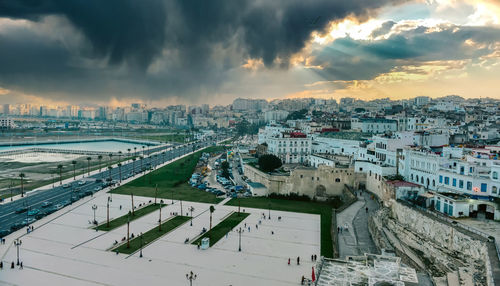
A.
x: 293, y: 147
x: 335, y: 146
x: 374, y: 125
x: 6, y: 123
x: 275, y: 115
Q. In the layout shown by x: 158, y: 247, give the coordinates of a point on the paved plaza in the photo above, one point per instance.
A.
x: 63, y: 249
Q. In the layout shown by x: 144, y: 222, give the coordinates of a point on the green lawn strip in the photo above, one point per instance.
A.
x: 172, y: 181
x: 119, y: 221
x: 152, y: 235
x: 225, y: 226
x: 323, y: 209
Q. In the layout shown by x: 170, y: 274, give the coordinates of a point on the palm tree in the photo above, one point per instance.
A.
x: 74, y: 169
x: 142, y: 170
x: 88, y: 165
x: 110, y: 156
x: 212, y: 209
x: 120, y: 168
x: 100, y: 159
x: 119, y: 156
x: 133, y: 165
x: 143, y: 149
x: 109, y: 168
x: 22, y: 175
x: 128, y: 152
x: 60, y: 167
x: 135, y: 151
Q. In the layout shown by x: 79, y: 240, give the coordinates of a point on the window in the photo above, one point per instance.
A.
x: 433, y: 183
x: 446, y: 180
x: 461, y: 170
x: 461, y: 184
x: 301, y: 176
x: 454, y: 182
x: 495, y: 175
x: 494, y: 190
x: 440, y: 179
x: 337, y: 180
x: 469, y: 185
x: 484, y: 187
x: 471, y: 170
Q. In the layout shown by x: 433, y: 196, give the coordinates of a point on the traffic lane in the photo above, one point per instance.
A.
x: 59, y: 194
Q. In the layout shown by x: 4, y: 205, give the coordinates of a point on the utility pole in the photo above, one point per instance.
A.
x: 107, y: 214
x: 128, y: 232
x: 159, y: 221
x: 132, y: 195
x: 156, y: 192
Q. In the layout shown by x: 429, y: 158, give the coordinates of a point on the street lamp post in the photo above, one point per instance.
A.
x: 18, y: 243
x: 191, y: 277
x: 94, y: 208
x: 191, y: 209
x: 269, y: 216
x: 239, y: 243
x: 140, y: 254
x: 107, y: 213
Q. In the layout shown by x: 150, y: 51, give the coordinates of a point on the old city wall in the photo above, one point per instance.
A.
x: 314, y: 182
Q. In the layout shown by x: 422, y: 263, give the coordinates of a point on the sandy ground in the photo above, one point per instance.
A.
x: 63, y: 250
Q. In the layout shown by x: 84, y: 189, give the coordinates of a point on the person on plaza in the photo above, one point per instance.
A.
x: 1, y: 264
x: 12, y: 265
x: 298, y: 260
x: 21, y: 265
x: 256, y: 226
x: 366, y: 209
x: 315, y: 257
x: 303, y: 280
x: 248, y: 229
x: 288, y: 260
x: 312, y: 257
x: 272, y: 232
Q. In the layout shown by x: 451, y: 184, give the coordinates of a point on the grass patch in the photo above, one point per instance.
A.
x: 151, y: 235
x: 323, y: 209
x: 119, y: 221
x: 225, y: 226
x: 172, y: 181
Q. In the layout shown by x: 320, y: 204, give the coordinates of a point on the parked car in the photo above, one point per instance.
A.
x: 4, y: 232
x: 28, y: 221
x: 59, y: 206
x: 66, y: 186
x: 33, y: 212
x: 46, y: 204
x: 81, y: 183
x: 21, y: 210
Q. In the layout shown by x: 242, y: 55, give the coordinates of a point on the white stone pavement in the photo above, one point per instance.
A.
x: 64, y: 250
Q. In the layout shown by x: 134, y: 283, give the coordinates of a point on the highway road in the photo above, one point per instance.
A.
x: 9, y: 218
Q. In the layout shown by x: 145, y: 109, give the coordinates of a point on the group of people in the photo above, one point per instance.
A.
x: 30, y: 229
x: 298, y: 260
x: 2, y: 240
x: 12, y: 265
x: 342, y: 228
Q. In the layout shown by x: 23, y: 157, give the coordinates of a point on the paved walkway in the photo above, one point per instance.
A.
x: 357, y: 239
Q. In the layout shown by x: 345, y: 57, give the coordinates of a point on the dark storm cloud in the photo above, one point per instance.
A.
x: 165, y: 47
x: 349, y: 59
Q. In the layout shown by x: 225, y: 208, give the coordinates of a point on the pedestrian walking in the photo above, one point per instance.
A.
x: 12, y: 265
x: 303, y: 280
x: 366, y: 209
x: 289, y: 261
x: 248, y: 229
x: 1, y: 264
x: 272, y: 232
x: 21, y: 265
x: 315, y: 257
x: 338, y: 229
x: 298, y: 260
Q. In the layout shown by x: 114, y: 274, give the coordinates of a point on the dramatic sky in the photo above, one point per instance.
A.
x: 182, y: 51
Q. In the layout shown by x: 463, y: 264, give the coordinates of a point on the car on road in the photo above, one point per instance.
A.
x: 16, y: 226
x: 66, y: 186
x: 58, y: 207
x: 21, y: 210
x: 28, y: 221
x: 97, y: 189
x: 81, y: 183
x: 46, y: 204
x: 33, y: 212
x: 65, y: 203
x: 4, y: 232
x: 88, y: 193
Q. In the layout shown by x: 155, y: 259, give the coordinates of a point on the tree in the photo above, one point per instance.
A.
x: 100, y: 159
x: 60, y: 167
x: 269, y: 162
x: 299, y: 114
x: 212, y: 209
x: 225, y: 169
x: 88, y: 165
x: 133, y: 165
x: 74, y: 169
x: 22, y: 175
x: 120, y: 169
x: 110, y: 168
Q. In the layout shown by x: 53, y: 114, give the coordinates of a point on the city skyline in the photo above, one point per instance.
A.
x: 216, y: 52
